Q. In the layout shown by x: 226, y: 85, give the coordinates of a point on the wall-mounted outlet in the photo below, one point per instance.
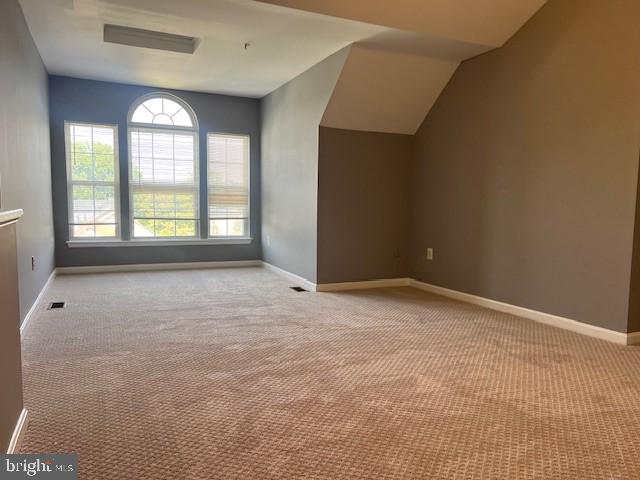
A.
x: 429, y: 253
x: 268, y: 240
x: 33, y: 263
x: 397, y: 253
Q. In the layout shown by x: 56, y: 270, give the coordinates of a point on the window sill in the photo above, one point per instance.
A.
x: 158, y: 243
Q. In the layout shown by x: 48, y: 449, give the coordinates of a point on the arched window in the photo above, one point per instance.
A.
x: 163, y: 168
x: 163, y: 110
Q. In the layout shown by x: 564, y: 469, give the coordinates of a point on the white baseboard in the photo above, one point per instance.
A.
x: 18, y: 432
x: 147, y: 267
x: 336, y: 287
x: 546, y: 318
x: 633, y: 338
x: 34, y: 307
x: 292, y: 277
x: 383, y: 283
x: 541, y: 317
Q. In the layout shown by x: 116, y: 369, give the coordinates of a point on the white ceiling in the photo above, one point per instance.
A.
x: 284, y: 42
x: 382, y: 91
x: 488, y: 23
x: 405, y: 50
x: 390, y: 81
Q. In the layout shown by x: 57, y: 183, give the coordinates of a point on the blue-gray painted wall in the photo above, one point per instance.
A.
x: 77, y: 100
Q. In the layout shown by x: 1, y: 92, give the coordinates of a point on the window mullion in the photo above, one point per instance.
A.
x: 175, y: 207
x: 153, y: 158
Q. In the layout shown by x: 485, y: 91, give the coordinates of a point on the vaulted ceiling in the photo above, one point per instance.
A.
x: 385, y: 91
x: 483, y: 24
x: 283, y: 42
x: 391, y: 80
x: 404, y: 51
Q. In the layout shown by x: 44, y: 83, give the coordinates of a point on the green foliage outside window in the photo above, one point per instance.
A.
x: 83, y: 162
x: 155, y: 212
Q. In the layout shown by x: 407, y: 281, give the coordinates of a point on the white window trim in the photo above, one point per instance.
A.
x: 140, y: 100
x: 194, y: 130
x: 162, y: 242
x: 240, y: 135
x: 98, y: 242
x: 70, y: 182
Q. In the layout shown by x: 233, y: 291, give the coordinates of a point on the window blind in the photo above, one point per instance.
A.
x: 163, y: 183
x: 228, y: 184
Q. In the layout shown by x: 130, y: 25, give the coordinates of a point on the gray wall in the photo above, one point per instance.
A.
x: 25, y: 175
x: 363, y: 205
x: 526, y: 169
x: 104, y: 102
x: 290, y: 121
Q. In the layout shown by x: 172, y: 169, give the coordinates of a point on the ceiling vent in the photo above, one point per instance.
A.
x: 136, y: 37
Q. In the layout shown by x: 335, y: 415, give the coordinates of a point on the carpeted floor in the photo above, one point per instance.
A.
x: 229, y: 374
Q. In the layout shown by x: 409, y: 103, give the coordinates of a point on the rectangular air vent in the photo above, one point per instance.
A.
x: 56, y: 305
x: 136, y: 37
x: 298, y: 289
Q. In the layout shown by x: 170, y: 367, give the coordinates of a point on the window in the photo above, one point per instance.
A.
x: 163, y: 169
x: 163, y: 180
x: 92, y: 180
x: 228, y: 184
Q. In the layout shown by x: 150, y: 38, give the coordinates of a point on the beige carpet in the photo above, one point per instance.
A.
x: 229, y: 374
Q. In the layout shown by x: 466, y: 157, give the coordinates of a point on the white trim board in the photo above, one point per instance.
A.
x: 541, y: 317
x: 148, y: 267
x: 292, y: 277
x: 34, y: 307
x: 382, y: 283
x: 18, y: 432
x: 336, y: 287
x: 159, y: 243
x: 633, y: 338
x: 546, y: 318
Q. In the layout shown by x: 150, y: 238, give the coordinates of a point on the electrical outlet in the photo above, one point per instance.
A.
x: 429, y: 253
x: 397, y: 253
x: 33, y: 263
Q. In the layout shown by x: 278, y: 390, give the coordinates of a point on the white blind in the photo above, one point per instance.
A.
x: 228, y: 184
x: 164, y: 183
x: 92, y: 180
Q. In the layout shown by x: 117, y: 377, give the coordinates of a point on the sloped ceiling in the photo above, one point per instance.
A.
x: 382, y: 91
x: 483, y: 22
x: 405, y: 50
x: 391, y: 79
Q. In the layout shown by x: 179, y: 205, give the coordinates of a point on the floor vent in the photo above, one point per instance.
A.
x: 298, y: 289
x: 55, y: 305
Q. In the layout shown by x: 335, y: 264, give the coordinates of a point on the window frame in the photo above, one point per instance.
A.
x: 120, y: 215
x: 71, y: 183
x: 174, y: 98
x: 167, y: 129
x: 247, y: 234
